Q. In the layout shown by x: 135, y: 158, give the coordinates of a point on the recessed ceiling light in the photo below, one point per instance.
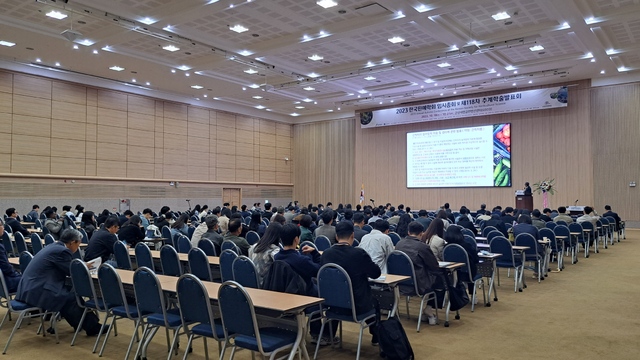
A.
x: 530, y: 81
x: 75, y: 47
x: 133, y: 80
x: 396, y: 39
x: 602, y: 71
x: 56, y: 14
x: 307, y: 100
x: 309, y: 88
x: 296, y: 102
x: 315, y: 57
x: 306, y: 37
x: 428, y: 81
x: 251, y: 71
x: 257, y: 97
x: 299, y: 107
x: 498, y: 74
x: 147, y: 21
x: 380, y: 102
x: 95, y: 51
x: 148, y: 84
x: 173, y: 71
x: 187, y: 74
x: 510, y: 67
x: 326, y: 3
x: 205, y: 95
x: 338, y: 109
x: 38, y: 60
x: 537, y: 48
x: 254, y: 86
x: 260, y: 107
x: 622, y: 68
x: 244, y: 88
x: 57, y: 64
x: 369, y: 78
x: 197, y: 87
x: 216, y: 98
x: 444, y: 65
x: 238, y: 28
x: 245, y: 53
x: 171, y: 48
x: 313, y: 75
x: 330, y: 110
x: 611, y: 51
x: 593, y: 60
x: 322, y: 33
x: 514, y: 84
x: 441, y: 94
x: 315, y: 103
x: 116, y: 68
x: 369, y: 64
x: 515, y: 71
x: 362, y: 91
x: 184, y: 68
x: 500, y: 16
x: 6, y: 43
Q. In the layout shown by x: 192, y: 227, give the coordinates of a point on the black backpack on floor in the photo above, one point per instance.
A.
x: 393, y: 341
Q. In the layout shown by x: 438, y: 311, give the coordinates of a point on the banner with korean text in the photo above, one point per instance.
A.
x: 528, y: 100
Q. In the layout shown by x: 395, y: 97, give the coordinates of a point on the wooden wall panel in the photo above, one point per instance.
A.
x: 69, y: 93
x: 141, y: 105
x: 32, y: 86
x: 5, y: 123
x: 111, y: 168
x: 111, y: 117
x: 30, y: 164
x: 323, y: 162
x: 69, y: 129
x: 6, y: 102
x: 175, y: 111
x: 31, y: 125
x: 5, y: 143
x: 33, y: 106
x: 198, y: 115
x: 68, y: 148
x: 6, y: 82
x: 114, y: 100
x: 69, y: 111
x: 30, y: 145
x: 144, y: 122
x: 225, y: 119
x: 67, y: 166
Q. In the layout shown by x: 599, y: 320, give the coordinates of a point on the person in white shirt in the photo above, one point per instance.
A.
x: 378, y: 244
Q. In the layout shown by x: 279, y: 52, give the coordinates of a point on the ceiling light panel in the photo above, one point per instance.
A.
x: 238, y: 28
x: 56, y: 14
x: 500, y: 16
x: 116, y: 68
x: 171, y: 48
x: 7, y: 43
x: 396, y: 40
x: 326, y: 3
x: 315, y: 57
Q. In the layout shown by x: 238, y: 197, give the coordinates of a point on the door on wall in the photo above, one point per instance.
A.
x: 232, y: 195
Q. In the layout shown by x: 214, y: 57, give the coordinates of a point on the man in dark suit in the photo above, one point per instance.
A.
x: 612, y: 214
x: 14, y: 222
x: 527, y: 189
x: 125, y: 217
x: 358, y: 223
x: 497, y: 223
x: 101, y: 243
x: 507, y: 216
x: 465, y: 222
x: 43, y: 283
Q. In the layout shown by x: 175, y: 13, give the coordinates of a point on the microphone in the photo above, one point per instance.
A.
x: 188, y: 199
x: 575, y: 203
x: 372, y: 200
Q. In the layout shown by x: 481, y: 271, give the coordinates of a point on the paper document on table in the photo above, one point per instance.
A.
x: 94, y: 264
x: 444, y: 263
x: 381, y: 278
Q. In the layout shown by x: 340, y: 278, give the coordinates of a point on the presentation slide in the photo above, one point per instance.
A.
x: 465, y: 157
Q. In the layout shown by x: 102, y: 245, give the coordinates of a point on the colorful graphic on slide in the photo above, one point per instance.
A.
x: 502, y: 155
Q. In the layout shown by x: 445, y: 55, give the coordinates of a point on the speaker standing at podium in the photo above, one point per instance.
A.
x: 527, y: 189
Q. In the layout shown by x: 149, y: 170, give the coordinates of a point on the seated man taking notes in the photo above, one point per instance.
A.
x: 358, y: 264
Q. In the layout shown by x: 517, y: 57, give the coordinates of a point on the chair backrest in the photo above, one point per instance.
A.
x: 199, y: 264
x: 549, y: 234
x: 193, y: 301
x: 367, y: 228
x: 550, y: 225
x: 6, y: 242
x: 399, y: 263
x: 245, y: 273
x: 252, y: 237
x: 395, y: 238
x: 466, y: 231
x: 487, y: 230
x: 612, y: 221
x: 501, y: 245
x: 170, y: 261
x: 237, y: 311
x: 21, y: 245
x: 184, y: 244
x: 562, y: 230
x: 192, y: 229
x: 111, y: 287
x: 247, y: 220
x: 561, y: 222
x: 309, y: 243
x: 82, y: 282
x: 7, y: 228
x: 492, y: 234
x: 45, y: 231
x: 528, y: 240
x: 226, y: 264
x: 143, y: 256
x: 121, y: 254
x: 38, y: 223
x: 166, y: 234
x: 334, y: 285
x: 587, y: 225
x: 36, y: 243
x: 322, y: 243
x: 456, y: 253
x: 25, y: 259
x: 471, y: 240
x: 149, y: 296
x: 5, y: 296
x: 49, y: 239
x: 85, y: 237
x: 229, y: 245
x: 207, y: 246
x: 576, y: 228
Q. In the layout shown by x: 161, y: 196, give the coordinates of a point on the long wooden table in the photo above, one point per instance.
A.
x: 274, y: 301
x: 213, y: 260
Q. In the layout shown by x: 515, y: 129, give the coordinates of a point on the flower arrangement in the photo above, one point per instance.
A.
x: 545, y: 186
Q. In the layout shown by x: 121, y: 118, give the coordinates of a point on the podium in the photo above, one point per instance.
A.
x: 524, y: 202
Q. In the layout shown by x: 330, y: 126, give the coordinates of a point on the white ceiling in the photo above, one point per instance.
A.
x: 581, y: 38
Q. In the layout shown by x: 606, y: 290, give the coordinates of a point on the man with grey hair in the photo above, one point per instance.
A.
x: 200, y: 230
x: 212, y: 232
